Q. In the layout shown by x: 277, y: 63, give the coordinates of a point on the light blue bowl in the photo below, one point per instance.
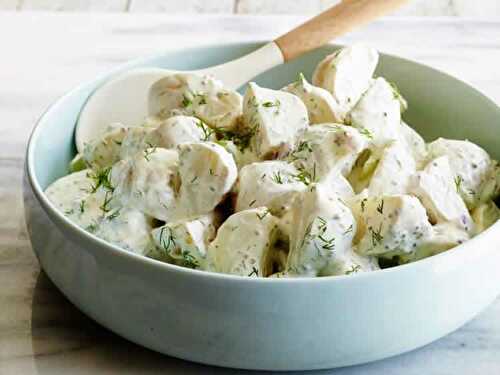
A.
x: 272, y: 324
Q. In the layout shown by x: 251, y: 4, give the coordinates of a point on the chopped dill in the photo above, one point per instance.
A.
x: 186, y: 102
x: 380, y: 207
x: 277, y: 177
x: 377, y: 238
x: 207, y: 132
x: 108, y: 196
x: 167, y: 240
x: 263, y: 215
x: 366, y: 133
x: 101, y: 178
x: 149, y: 151
x: 82, y: 206
x: 353, y: 269
x: 255, y: 272
x: 305, y: 176
x: 188, y: 260
x: 348, y: 230
x: 458, y: 182
x: 114, y: 215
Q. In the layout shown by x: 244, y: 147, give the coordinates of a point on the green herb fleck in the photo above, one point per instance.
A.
x: 255, y: 272
x: 366, y: 133
x: 380, y: 207
x: 353, y: 269
x: 458, y: 182
x: 167, y: 240
x: 101, y: 178
x: 108, y: 196
x: 348, y: 230
x: 377, y: 238
x: 149, y: 151
x: 188, y: 260
x: 207, y: 132
x: 263, y: 215
x: 186, y: 102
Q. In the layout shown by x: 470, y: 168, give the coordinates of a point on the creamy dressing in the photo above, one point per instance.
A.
x: 317, y: 179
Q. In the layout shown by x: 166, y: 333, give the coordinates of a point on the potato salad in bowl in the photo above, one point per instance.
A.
x: 320, y: 178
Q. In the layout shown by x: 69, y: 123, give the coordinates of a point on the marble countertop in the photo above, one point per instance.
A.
x: 43, y: 55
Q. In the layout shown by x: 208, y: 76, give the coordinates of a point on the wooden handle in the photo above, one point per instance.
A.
x: 332, y: 23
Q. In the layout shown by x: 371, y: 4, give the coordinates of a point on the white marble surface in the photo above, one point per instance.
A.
x: 43, y: 55
x: 468, y: 8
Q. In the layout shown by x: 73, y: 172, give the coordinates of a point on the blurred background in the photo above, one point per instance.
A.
x: 461, y: 8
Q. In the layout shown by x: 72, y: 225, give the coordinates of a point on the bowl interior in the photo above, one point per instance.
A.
x: 439, y: 105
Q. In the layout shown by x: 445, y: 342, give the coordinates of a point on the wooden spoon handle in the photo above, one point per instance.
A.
x: 332, y: 23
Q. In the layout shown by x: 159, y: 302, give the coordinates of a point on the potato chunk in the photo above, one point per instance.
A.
x: 395, y: 224
x: 194, y: 95
x: 276, y: 119
x: 438, y: 192
x: 347, y: 74
x: 272, y: 184
x: 322, y: 232
x: 244, y: 243
x: 207, y: 173
x: 320, y: 104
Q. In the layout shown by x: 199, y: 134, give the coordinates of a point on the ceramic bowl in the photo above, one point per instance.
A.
x: 271, y: 324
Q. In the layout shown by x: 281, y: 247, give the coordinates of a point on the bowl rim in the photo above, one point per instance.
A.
x: 116, y: 251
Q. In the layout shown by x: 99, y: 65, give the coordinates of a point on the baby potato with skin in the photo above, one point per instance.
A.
x: 347, y: 74
x: 438, y: 191
x: 444, y: 236
x: 393, y: 172
x: 326, y: 148
x: 146, y: 182
x: 272, y: 184
x: 275, y: 118
x: 470, y: 166
x: 207, y: 173
x: 181, y: 129
x: 193, y: 95
x: 320, y: 104
x: 243, y: 245
x: 393, y: 224
x: 378, y: 113
x: 105, y: 151
x: 322, y: 234
x: 186, y: 241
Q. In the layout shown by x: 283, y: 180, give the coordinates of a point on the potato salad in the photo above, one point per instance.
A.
x: 319, y: 178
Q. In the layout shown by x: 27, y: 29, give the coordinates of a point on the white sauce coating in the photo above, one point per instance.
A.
x: 313, y: 180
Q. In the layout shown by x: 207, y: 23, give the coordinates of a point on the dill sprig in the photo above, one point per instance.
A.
x: 108, y: 197
x: 207, y: 132
x: 149, y: 151
x: 255, y: 272
x: 189, y: 260
x: 101, y: 178
x: 186, y: 101
x: 377, y: 238
x: 263, y: 215
x: 353, y: 269
x: 277, y: 177
x: 348, y: 230
x: 167, y: 240
x: 366, y: 133
x: 458, y: 182
x: 305, y: 176
x: 380, y: 207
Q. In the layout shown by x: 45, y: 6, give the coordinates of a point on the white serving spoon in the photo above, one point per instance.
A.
x: 124, y: 99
